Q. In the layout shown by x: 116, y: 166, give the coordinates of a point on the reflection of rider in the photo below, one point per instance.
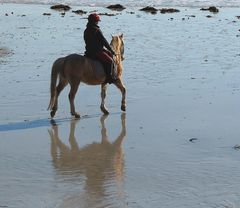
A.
x: 95, y: 43
x: 101, y: 164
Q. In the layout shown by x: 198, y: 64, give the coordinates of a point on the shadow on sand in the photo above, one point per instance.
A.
x: 45, y: 122
x: 31, y: 124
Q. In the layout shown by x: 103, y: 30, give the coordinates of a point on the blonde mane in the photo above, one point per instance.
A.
x: 118, y: 47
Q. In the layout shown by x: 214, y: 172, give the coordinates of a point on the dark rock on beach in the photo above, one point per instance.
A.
x: 238, y: 17
x: 47, y: 14
x: 211, y: 9
x: 190, y: 16
x: 168, y: 10
x: 107, y: 14
x: 117, y: 7
x: 61, y: 7
x: 22, y: 28
x: 237, y: 147
x: 80, y: 12
x: 149, y: 9
x: 5, y: 52
x: 193, y: 139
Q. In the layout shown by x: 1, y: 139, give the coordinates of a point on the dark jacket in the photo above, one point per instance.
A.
x: 94, y: 40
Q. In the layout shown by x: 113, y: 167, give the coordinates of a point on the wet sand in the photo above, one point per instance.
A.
x: 174, y: 147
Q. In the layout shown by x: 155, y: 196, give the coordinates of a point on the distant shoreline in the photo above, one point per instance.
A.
x: 141, y: 5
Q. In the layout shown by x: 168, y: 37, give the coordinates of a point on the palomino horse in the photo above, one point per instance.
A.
x: 75, y: 68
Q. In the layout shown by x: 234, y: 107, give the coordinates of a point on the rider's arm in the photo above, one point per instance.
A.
x: 105, y: 42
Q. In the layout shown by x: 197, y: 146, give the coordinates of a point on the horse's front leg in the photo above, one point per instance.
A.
x: 103, y: 96
x: 72, y: 93
x: 122, y: 88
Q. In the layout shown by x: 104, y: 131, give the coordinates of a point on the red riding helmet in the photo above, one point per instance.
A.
x: 94, y: 17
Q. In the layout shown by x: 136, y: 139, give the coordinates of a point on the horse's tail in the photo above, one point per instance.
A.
x: 57, y: 67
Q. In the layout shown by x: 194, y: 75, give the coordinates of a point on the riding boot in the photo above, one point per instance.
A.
x: 110, y: 76
x: 114, y: 71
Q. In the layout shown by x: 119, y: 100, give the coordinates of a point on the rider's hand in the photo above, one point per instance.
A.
x: 113, y: 53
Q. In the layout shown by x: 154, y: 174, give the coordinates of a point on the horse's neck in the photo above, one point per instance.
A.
x: 118, y: 59
x: 119, y: 67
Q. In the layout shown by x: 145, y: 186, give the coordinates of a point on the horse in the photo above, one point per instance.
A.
x: 74, y: 69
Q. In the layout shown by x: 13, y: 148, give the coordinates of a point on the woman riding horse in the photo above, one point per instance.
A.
x: 95, y: 43
x: 74, y: 69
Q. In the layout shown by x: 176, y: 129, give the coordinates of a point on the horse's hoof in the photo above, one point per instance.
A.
x: 123, y: 108
x: 52, y: 113
x: 104, y: 110
x: 77, y: 115
x: 53, y: 122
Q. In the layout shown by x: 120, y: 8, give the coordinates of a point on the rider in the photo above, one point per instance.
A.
x: 95, y: 43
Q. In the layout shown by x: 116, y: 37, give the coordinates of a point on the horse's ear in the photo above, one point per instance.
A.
x: 121, y: 36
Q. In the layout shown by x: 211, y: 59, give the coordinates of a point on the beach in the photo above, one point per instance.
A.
x: 177, y: 144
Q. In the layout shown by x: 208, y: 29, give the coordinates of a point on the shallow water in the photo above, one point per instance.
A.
x: 132, y: 3
x: 182, y: 77
x: 60, y: 169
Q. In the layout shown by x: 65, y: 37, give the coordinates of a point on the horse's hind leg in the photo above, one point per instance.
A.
x: 122, y: 88
x: 71, y: 96
x: 103, y: 96
x: 62, y: 83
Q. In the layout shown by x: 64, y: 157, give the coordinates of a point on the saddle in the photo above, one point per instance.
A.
x: 109, y: 69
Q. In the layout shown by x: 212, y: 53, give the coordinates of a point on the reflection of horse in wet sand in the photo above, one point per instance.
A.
x: 98, y: 163
x: 75, y: 68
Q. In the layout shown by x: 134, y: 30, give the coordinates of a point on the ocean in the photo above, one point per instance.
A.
x: 134, y: 3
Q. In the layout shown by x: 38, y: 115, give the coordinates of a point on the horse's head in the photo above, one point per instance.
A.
x: 118, y: 45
